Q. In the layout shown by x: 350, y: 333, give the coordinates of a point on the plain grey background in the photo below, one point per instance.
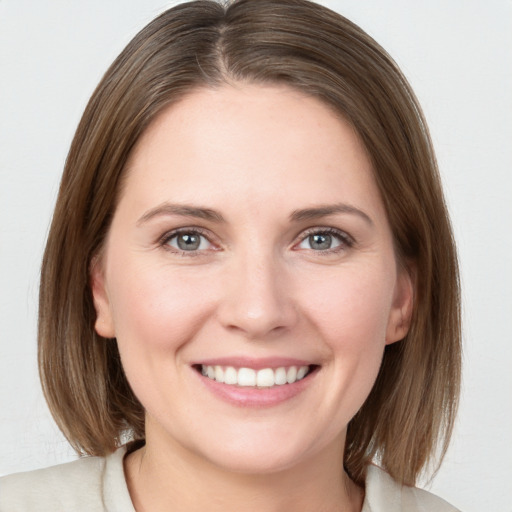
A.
x: 457, y: 55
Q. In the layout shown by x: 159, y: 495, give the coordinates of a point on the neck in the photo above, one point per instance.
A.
x: 172, y: 478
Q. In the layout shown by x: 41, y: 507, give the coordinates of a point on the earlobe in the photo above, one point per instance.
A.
x: 104, y: 324
x: 402, y: 308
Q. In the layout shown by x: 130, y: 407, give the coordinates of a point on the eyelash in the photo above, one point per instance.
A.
x: 167, y: 237
x: 346, y: 241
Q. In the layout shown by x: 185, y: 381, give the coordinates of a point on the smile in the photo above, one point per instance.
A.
x: 256, y: 383
x: 249, y: 377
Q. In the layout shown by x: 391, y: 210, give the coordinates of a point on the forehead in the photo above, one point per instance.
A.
x: 254, y: 143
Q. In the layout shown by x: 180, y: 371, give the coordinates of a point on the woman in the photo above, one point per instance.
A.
x: 249, y: 294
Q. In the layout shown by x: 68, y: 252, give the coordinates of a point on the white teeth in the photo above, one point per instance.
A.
x: 247, y: 377
x: 230, y: 375
x: 301, y: 372
x: 291, y: 374
x: 265, y: 378
x: 280, y: 376
x: 219, y: 374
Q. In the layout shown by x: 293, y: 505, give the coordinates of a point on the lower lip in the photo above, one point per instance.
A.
x: 256, y: 397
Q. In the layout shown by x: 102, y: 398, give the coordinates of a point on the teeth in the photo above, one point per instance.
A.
x: 291, y: 374
x: 219, y: 374
x: 265, y: 378
x: 280, y: 376
x: 301, y: 372
x: 247, y: 377
x: 230, y: 376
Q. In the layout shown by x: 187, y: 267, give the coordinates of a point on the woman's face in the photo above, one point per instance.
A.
x: 250, y: 245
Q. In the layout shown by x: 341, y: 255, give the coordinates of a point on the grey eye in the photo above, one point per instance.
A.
x: 189, y: 241
x: 320, y: 241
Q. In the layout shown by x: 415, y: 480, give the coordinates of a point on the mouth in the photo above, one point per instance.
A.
x: 262, y: 378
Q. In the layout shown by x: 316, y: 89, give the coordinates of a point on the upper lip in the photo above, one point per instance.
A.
x: 254, y: 363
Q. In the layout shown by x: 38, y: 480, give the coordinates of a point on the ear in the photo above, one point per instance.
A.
x: 401, y: 310
x: 104, y: 323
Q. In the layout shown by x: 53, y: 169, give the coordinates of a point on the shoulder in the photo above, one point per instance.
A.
x: 78, y: 485
x: 383, y: 494
x: 66, y: 485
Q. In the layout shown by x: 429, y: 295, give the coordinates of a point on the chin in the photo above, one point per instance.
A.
x: 256, y: 461
x: 261, y: 453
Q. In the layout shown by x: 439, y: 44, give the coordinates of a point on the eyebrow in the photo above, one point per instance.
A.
x: 182, y: 210
x: 326, y: 210
x: 199, y: 212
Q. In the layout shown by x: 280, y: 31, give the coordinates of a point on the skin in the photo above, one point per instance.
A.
x: 256, y: 287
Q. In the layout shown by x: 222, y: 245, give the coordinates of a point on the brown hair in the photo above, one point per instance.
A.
x: 295, y: 42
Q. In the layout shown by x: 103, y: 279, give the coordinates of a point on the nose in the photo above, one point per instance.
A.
x: 257, y: 298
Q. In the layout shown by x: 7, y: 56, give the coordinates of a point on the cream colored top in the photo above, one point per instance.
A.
x: 97, y: 484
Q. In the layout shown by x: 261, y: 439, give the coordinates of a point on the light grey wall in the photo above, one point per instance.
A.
x: 457, y: 55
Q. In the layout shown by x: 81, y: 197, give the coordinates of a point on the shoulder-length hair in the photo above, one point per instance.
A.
x: 409, y: 415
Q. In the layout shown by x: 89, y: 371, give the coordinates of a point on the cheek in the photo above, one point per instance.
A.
x: 352, y: 318
x: 155, y: 308
x: 156, y: 313
x: 351, y: 306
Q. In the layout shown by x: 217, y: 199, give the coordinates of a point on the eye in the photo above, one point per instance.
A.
x: 325, y: 240
x: 187, y: 241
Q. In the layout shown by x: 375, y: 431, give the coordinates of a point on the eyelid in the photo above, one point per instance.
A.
x: 163, y: 240
x: 347, y: 240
